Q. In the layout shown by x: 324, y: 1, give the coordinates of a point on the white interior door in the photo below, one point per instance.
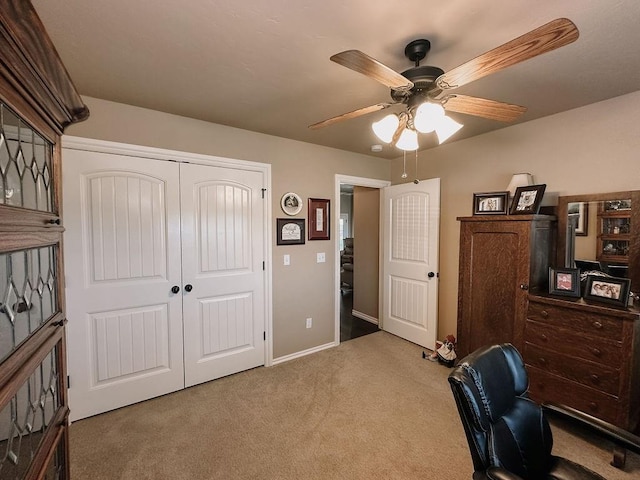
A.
x: 222, y: 261
x: 411, y: 219
x: 122, y: 254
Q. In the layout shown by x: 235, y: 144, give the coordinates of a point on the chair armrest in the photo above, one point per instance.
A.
x: 498, y: 473
x: 615, y: 434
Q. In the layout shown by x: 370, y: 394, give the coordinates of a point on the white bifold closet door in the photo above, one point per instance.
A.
x: 164, y: 274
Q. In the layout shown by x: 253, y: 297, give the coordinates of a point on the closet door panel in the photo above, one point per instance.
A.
x: 123, y: 257
x: 223, y: 251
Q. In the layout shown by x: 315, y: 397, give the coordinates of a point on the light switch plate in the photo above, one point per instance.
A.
x: 321, y: 258
x: 287, y: 260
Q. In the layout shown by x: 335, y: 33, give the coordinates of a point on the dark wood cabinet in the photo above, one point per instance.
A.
x: 585, y: 356
x: 502, y: 258
x: 37, y: 101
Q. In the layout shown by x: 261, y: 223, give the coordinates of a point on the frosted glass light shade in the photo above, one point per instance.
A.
x: 447, y: 127
x: 386, y: 127
x: 519, y: 180
x: 408, y: 140
x: 427, y: 117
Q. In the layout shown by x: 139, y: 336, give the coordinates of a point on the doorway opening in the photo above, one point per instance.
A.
x: 357, y: 287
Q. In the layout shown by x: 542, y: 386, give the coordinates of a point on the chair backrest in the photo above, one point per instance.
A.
x: 503, y: 426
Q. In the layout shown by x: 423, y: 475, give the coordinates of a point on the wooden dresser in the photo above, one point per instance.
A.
x: 586, y: 356
x: 502, y: 258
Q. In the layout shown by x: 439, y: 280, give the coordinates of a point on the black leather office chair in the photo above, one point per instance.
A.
x: 508, y: 434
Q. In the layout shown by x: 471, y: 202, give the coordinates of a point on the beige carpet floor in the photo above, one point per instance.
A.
x: 371, y: 408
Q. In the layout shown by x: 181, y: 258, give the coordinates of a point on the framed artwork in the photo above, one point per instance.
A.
x: 318, y: 219
x: 579, y: 211
x: 527, y: 200
x: 608, y: 290
x: 291, y: 203
x: 290, y: 231
x: 492, y: 203
x: 564, y: 281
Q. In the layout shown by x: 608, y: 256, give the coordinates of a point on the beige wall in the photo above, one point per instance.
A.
x: 591, y: 149
x: 303, y: 289
x: 366, y: 233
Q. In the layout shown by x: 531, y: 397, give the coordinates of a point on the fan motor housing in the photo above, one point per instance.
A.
x: 423, y: 79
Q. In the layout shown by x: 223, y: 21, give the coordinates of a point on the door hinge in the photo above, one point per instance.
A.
x: 68, y: 381
x: 264, y: 267
x: 264, y: 336
x: 263, y: 192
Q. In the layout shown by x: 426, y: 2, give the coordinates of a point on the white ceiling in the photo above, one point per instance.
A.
x: 263, y: 65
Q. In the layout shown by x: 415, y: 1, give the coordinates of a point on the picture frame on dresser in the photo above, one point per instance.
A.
x: 527, y: 200
x: 611, y: 290
x: 564, y: 281
x: 490, y: 203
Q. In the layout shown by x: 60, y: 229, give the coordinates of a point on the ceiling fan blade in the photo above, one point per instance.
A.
x: 548, y: 37
x: 363, y: 63
x: 482, y: 107
x: 348, y: 115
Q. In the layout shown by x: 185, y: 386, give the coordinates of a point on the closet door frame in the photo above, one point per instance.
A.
x: 93, y: 145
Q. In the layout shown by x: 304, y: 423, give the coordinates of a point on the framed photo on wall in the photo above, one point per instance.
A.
x: 291, y: 203
x: 492, y: 203
x: 318, y: 215
x: 581, y: 211
x: 290, y: 231
x: 527, y: 200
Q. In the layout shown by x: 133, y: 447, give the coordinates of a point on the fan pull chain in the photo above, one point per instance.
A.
x: 416, y: 181
x: 404, y: 164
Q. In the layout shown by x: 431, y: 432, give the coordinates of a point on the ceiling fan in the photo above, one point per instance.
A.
x: 425, y: 89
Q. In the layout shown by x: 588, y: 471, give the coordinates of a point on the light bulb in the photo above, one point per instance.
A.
x: 408, y: 140
x: 447, y: 127
x: 428, y: 116
x: 385, y: 128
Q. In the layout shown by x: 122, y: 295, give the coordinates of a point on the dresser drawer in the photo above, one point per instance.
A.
x: 603, y: 351
x: 591, y: 374
x: 546, y: 387
x: 576, y: 320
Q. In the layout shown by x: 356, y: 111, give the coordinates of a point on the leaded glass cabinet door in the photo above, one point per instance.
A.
x: 37, y: 102
x: 33, y: 406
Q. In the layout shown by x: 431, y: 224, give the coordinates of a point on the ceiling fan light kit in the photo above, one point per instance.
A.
x: 422, y: 88
x: 408, y: 140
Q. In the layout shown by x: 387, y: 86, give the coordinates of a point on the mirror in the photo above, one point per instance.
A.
x: 601, y: 231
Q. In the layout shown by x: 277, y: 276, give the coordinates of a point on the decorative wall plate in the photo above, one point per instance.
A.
x: 291, y: 203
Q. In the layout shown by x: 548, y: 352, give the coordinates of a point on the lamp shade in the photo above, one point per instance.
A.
x: 428, y: 116
x: 386, y: 127
x: 519, y: 180
x: 446, y: 128
x: 408, y: 140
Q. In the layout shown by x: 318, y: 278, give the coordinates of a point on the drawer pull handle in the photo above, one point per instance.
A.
x: 544, y: 338
x: 597, y: 325
x: 593, y: 406
x: 596, y: 352
x: 595, y: 378
x: 543, y: 361
x: 544, y: 314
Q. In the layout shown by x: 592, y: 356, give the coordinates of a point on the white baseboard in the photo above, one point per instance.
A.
x: 303, y: 353
x: 364, y: 316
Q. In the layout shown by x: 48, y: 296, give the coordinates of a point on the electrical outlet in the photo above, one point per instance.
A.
x: 309, y: 322
x: 287, y: 260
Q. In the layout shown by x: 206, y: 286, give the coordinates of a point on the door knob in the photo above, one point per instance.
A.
x: 431, y: 274
x: 175, y: 289
x: 188, y: 287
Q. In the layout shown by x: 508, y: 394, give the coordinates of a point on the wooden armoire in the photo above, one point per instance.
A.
x: 37, y: 102
x: 502, y: 259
